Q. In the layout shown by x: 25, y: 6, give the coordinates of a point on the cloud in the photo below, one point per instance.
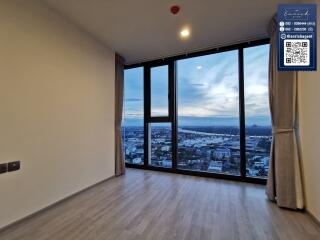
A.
x: 197, y: 84
x: 133, y: 99
x: 211, y: 91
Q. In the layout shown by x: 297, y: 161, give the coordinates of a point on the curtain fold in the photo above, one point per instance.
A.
x: 119, y: 85
x: 284, y: 185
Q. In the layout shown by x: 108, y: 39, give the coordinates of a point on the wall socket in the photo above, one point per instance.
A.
x: 9, y: 167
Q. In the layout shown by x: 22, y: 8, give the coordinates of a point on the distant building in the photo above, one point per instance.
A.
x: 256, y: 157
x: 252, y: 172
x: 130, y: 150
x: 165, y: 148
x: 137, y: 161
x: 167, y: 163
x: 265, y: 161
x: 258, y: 164
x: 140, y: 151
x: 251, y: 143
x: 222, y: 152
x: 208, y: 154
x: 215, y: 166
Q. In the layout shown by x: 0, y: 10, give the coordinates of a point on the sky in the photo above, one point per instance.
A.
x: 207, y: 90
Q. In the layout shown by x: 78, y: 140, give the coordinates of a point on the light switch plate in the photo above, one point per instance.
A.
x: 3, y: 168
x: 13, y: 166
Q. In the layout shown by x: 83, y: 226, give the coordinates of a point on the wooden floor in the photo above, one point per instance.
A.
x: 153, y: 205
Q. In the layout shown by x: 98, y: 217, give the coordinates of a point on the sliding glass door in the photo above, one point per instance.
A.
x: 205, y: 114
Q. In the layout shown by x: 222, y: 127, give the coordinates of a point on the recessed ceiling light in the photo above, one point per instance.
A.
x: 185, y: 33
x: 199, y: 67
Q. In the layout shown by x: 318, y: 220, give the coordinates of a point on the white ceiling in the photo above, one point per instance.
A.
x: 145, y: 29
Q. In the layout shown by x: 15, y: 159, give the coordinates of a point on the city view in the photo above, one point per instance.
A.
x: 208, y: 136
x: 209, y: 149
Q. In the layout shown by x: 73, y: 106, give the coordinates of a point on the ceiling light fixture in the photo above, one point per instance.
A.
x: 185, y: 33
x: 199, y: 67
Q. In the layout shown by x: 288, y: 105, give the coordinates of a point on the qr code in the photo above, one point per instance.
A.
x: 297, y: 52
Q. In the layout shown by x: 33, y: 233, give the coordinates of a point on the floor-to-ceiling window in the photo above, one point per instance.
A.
x: 132, y: 124
x: 202, y: 114
x: 208, y: 113
x: 258, y: 122
x: 159, y: 126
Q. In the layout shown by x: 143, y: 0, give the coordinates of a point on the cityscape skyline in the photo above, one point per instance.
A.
x: 207, y: 121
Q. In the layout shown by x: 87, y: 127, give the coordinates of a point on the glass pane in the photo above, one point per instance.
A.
x: 258, y: 121
x: 208, y: 113
x: 159, y: 91
x: 160, y: 145
x: 132, y: 125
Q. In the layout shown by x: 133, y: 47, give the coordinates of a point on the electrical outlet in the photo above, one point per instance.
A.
x: 3, y: 168
x: 13, y: 166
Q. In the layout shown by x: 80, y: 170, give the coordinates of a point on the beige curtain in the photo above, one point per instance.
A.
x: 284, y: 184
x: 119, y: 84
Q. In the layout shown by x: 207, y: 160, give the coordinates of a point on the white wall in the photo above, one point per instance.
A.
x: 309, y: 108
x: 56, y: 108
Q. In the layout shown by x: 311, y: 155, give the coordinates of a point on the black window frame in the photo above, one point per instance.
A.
x: 172, y: 111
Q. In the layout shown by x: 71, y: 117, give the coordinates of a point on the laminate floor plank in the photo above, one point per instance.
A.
x: 148, y: 205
